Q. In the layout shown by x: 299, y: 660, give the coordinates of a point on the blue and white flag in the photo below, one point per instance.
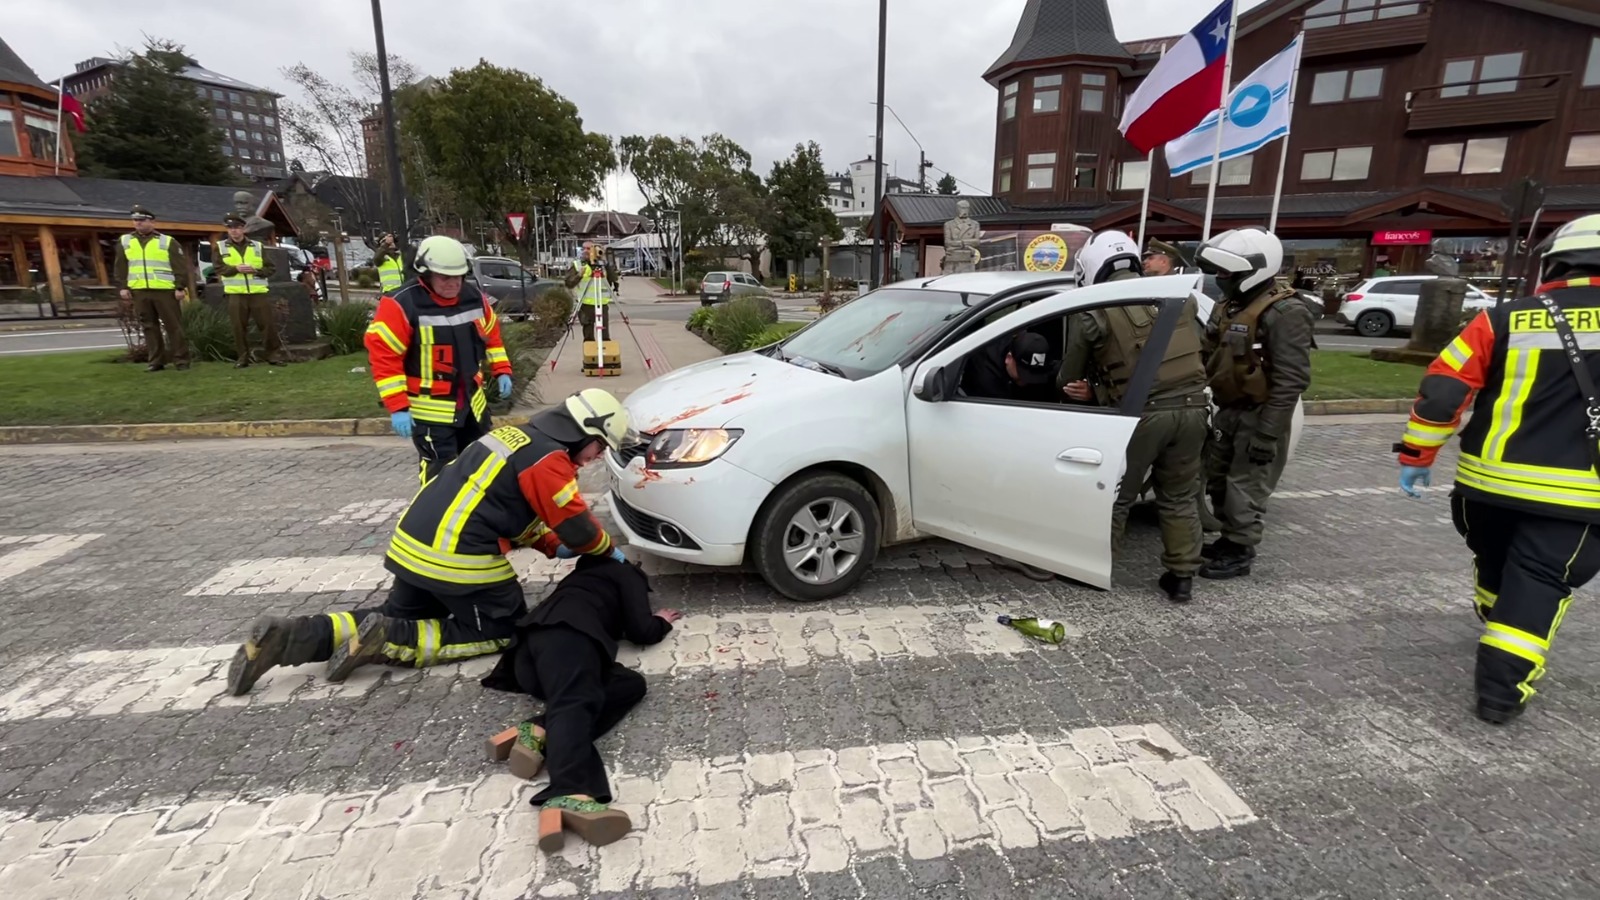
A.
x: 1258, y: 113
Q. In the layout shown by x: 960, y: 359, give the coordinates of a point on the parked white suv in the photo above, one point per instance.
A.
x: 1377, y: 306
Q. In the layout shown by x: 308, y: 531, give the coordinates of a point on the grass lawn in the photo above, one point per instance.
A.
x: 1356, y: 376
x: 89, y: 388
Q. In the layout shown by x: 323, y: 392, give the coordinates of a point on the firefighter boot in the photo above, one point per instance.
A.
x: 1505, y: 684
x: 274, y: 641
x: 365, y: 647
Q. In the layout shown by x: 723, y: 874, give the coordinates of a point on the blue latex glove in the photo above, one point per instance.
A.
x: 402, y: 423
x: 503, y: 382
x: 562, y: 552
x: 1413, y: 477
x: 617, y: 554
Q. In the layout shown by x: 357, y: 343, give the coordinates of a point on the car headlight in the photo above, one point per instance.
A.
x: 682, y: 448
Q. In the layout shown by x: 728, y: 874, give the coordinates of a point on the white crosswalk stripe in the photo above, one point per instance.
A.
x: 115, y: 682
x: 707, y: 821
x: 19, y: 553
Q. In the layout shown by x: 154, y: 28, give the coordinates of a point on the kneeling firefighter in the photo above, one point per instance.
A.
x: 1170, y: 437
x: 455, y: 594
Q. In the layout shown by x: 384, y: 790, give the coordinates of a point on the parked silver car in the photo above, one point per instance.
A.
x: 720, y: 287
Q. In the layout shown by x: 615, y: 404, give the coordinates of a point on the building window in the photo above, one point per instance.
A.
x: 1335, y: 87
x: 277, y: 158
x: 247, y: 169
x: 8, y: 134
x: 227, y: 150
x: 256, y: 136
x: 1047, y: 93
x: 233, y: 96
x: 254, y: 119
x: 1464, y: 77
x: 1008, y: 109
x: 41, y: 136
x: 1584, y: 151
x: 217, y: 95
x: 1041, y: 171
x: 1343, y: 164
x: 1236, y: 172
x: 1332, y: 13
x: 238, y: 116
x: 220, y: 113
x: 269, y: 121
x: 1591, y: 75
x: 1133, y: 175
x: 1093, y: 96
x: 250, y: 100
x: 1005, y: 175
x: 1084, y: 169
x: 201, y: 90
x: 239, y: 133
x: 1484, y: 156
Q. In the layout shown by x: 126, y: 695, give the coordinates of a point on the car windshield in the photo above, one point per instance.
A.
x: 872, y: 333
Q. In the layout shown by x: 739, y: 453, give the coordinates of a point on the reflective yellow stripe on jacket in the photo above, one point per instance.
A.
x: 452, y: 568
x: 240, y: 283
x: 391, y: 274
x: 1573, y: 488
x: 149, y: 264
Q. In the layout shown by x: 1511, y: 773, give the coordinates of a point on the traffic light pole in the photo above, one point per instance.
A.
x: 391, y: 154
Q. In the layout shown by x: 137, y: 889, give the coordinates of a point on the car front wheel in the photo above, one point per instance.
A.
x: 1374, y: 324
x: 816, y: 537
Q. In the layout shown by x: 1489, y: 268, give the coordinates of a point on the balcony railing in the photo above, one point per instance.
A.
x: 1487, y: 102
x: 1365, y: 26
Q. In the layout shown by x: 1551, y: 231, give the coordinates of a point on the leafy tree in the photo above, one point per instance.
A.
x: 501, y: 141
x: 694, y: 179
x: 798, y: 217
x: 743, y: 208
x: 947, y: 185
x: 153, y: 126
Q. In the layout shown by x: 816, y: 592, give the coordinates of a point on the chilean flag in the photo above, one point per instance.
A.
x: 1184, y: 87
x: 72, y: 108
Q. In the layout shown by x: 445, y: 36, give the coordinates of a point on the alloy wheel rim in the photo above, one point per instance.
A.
x: 824, y: 540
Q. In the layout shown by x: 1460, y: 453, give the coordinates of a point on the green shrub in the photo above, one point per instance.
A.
x: 366, y: 277
x: 209, y: 332
x: 345, y: 325
x: 692, y: 286
x: 772, y: 334
x: 526, y: 347
x: 552, y: 310
x: 700, y: 319
x: 734, y: 324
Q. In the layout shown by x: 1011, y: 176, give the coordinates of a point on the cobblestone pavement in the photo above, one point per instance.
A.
x: 1304, y: 733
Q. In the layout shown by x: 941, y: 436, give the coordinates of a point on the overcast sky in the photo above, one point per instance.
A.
x: 765, y: 73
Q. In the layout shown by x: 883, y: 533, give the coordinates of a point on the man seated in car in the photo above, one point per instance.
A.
x: 1014, y: 368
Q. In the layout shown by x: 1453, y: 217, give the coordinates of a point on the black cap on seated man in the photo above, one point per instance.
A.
x: 1017, y: 368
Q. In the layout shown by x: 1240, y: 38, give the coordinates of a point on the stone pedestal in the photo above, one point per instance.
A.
x: 1437, y: 323
x: 300, y: 326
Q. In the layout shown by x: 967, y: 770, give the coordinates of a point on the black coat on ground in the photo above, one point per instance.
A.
x: 606, y: 600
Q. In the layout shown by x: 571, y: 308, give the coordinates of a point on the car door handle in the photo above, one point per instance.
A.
x: 1083, y: 455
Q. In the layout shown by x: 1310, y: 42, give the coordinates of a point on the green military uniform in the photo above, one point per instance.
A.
x: 248, y: 297
x: 1170, y: 438
x: 153, y: 269
x: 594, y: 290
x: 1258, y: 364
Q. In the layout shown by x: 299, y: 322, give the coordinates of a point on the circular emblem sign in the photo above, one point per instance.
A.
x: 1046, y: 253
x: 1251, y: 106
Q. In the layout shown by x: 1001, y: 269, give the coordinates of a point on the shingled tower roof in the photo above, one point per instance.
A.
x: 1055, y: 28
x: 15, y: 71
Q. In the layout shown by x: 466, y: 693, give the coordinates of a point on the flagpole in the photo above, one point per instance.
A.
x: 1149, y: 177
x: 1222, y: 114
x: 61, y: 101
x: 1283, y: 154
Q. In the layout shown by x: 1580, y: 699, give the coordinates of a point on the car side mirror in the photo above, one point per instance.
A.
x: 931, y: 386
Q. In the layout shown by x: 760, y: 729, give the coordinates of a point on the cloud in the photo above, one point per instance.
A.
x: 767, y: 74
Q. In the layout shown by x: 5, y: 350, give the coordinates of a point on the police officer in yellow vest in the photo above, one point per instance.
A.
x: 1169, y: 441
x: 588, y: 280
x: 244, y: 272
x: 154, y: 275
x: 1258, y: 343
x: 391, y: 268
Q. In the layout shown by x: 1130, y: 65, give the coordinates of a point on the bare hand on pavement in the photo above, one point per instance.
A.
x: 671, y: 615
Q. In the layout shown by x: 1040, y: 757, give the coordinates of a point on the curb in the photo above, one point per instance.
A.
x: 1356, y: 407
x: 23, y: 327
x: 72, y: 434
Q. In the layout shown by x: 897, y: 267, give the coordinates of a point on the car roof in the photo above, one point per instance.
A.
x: 976, y: 282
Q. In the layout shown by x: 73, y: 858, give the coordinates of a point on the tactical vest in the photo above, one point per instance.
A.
x: 1525, y: 446
x: 449, y: 539
x: 1238, y: 368
x: 149, y: 264
x: 240, y: 283
x: 391, y: 274
x: 445, y: 355
x: 1128, y: 328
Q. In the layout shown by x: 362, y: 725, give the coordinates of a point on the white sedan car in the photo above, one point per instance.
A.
x: 806, y: 456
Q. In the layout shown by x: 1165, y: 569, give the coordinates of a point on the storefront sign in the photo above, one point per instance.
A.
x: 1401, y: 238
x: 1046, y: 253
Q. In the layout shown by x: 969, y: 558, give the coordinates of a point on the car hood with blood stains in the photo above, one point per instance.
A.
x: 714, y: 393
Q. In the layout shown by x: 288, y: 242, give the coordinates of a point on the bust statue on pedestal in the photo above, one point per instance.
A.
x: 961, y: 236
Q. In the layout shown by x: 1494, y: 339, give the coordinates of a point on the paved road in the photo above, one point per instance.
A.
x: 17, y: 343
x: 1333, y: 336
x: 1304, y: 733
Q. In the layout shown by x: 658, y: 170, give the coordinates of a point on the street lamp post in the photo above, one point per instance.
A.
x: 877, y: 175
x: 391, y: 154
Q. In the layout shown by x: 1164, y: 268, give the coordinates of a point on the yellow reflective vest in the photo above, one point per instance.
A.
x: 149, y: 264
x: 240, y: 283
x: 391, y: 274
